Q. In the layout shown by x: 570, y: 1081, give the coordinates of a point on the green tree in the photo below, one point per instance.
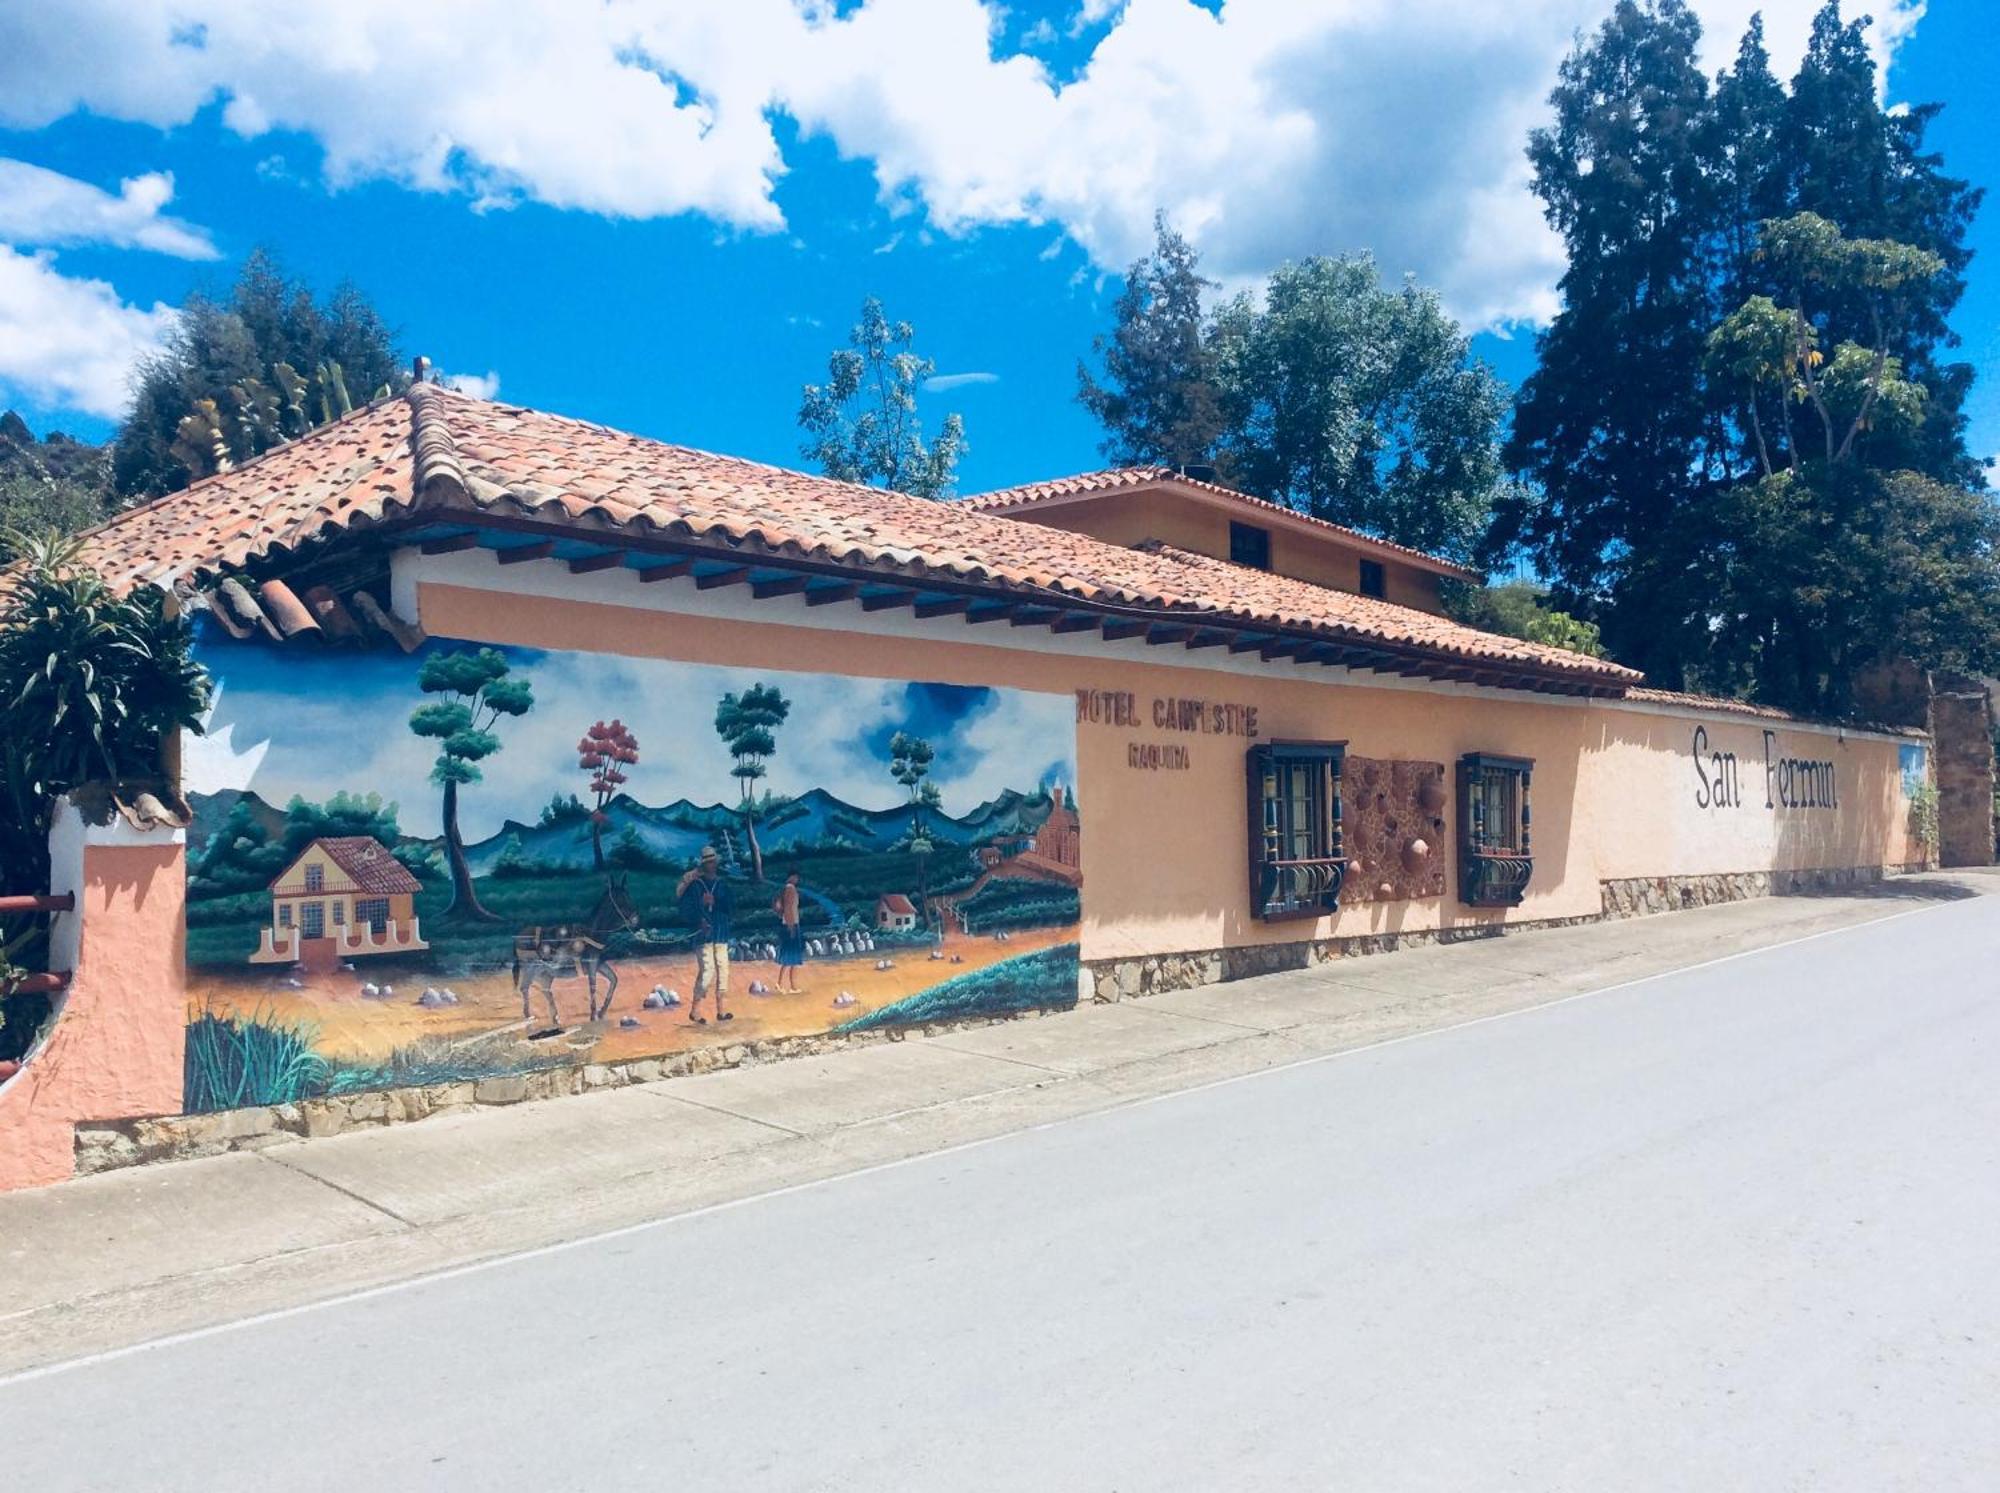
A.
x: 1329, y: 393
x: 240, y: 375
x: 56, y: 485
x: 1159, y: 399
x: 1819, y: 572
x: 1520, y: 609
x: 862, y: 424
x: 748, y: 725
x: 1868, y: 170
x: 910, y: 759
x: 1610, y: 428
x: 1361, y: 405
x: 476, y: 689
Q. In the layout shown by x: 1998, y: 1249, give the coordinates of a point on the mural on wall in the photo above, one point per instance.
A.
x: 474, y: 861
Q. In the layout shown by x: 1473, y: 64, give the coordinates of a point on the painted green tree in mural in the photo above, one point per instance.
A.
x: 748, y: 725
x: 477, y: 689
x: 910, y: 759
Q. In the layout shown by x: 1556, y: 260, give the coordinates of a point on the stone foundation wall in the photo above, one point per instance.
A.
x: 110, y: 1144
x: 1641, y: 896
x: 1156, y: 974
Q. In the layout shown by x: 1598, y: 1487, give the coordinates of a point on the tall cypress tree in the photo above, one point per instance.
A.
x: 1611, y: 425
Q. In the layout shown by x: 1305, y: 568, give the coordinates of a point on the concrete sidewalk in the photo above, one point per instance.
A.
x: 133, y: 1255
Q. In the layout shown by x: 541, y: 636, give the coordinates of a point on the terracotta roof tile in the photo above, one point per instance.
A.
x: 444, y: 453
x: 368, y: 863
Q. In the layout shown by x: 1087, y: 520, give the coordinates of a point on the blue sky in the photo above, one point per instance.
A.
x: 662, y: 214
x: 289, y: 722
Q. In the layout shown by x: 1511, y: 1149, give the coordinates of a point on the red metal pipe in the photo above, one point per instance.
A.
x: 64, y: 903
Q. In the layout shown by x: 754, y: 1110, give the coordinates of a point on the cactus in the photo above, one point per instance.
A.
x: 200, y: 443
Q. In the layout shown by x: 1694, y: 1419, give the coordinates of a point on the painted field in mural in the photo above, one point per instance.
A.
x: 473, y: 861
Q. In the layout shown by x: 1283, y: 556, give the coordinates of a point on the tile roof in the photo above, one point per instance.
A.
x: 1722, y: 704
x: 368, y: 863
x: 436, y: 454
x: 1127, y: 479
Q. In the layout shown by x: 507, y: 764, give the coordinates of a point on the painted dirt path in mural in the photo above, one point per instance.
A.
x: 357, y: 1028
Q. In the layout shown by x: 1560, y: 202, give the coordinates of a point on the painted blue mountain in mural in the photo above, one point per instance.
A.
x: 676, y: 832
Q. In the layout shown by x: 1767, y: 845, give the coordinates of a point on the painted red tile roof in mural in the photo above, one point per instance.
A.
x: 368, y: 864
x: 441, y: 454
x: 1127, y: 479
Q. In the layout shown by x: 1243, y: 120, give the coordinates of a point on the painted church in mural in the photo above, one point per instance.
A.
x: 477, y: 861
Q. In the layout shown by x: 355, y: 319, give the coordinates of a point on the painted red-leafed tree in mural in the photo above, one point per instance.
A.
x: 605, y: 751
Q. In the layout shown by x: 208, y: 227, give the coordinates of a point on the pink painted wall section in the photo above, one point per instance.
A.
x: 1702, y: 792
x: 116, y: 1047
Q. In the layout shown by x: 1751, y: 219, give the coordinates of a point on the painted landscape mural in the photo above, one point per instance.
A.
x: 474, y: 861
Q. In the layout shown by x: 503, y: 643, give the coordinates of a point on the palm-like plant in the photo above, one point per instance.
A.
x: 92, y: 683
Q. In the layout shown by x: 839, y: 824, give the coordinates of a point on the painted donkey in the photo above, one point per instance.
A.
x: 544, y: 955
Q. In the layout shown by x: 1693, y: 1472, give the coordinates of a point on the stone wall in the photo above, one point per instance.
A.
x: 1640, y: 896
x: 1156, y: 974
x: 1962, y: 733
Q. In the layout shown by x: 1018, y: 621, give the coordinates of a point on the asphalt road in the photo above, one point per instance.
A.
x: 1734, y: 1228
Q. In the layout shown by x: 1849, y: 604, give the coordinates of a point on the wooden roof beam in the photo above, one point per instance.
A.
x: 605, y: 561
x: 823, y: 596
x: 1116, y: 629
x: 520, y: 554
x: 450, y: 544
x: 718, y: 578
x: 673, y: 570
x: 790, y: 585
x: 887, y: 601
x: 950, y: 606
x: 1076, y: 622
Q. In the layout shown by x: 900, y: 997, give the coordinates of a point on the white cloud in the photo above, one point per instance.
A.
x: 1268, y: 129
x: 70, y: 342
x: 479, y: 385
x: 43, y: 207
x: 942, y: 383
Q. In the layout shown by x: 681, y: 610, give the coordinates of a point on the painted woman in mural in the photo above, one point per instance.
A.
x: 791, y: 936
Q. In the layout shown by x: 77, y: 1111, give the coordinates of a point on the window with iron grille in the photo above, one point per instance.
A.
x: 1297, y: 855
x: 1250, y: 545
x: 315, y: 878
x: 374, y: 911
x: 1495, y: 849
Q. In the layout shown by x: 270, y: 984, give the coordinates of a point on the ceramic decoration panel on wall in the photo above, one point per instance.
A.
x: 474, y: 861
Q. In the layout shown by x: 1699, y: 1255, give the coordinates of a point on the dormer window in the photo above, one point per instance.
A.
x: 1249, y: 545
x: 1374, y: 580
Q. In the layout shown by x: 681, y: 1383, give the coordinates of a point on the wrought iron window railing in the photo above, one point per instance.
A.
x: 1495, y: 837
x: 1297, y: 851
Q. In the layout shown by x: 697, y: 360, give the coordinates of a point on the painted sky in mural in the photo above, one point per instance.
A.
x: 286, y: 721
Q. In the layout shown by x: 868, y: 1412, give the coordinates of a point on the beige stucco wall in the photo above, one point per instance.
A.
x: 1319, y: 558
x: 1165, y: 852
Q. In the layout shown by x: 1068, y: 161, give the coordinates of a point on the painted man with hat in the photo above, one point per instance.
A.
x: 709, y: 905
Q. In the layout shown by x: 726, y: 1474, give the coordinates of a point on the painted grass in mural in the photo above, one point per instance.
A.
x: 476, y: 861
